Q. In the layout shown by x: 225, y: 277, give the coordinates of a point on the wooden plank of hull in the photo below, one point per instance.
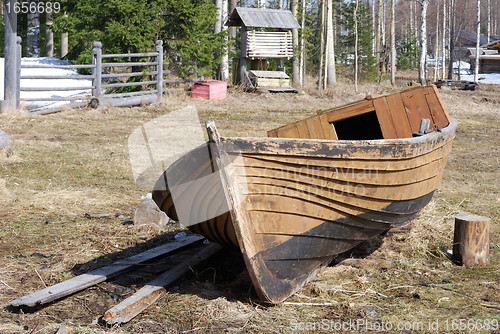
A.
x: 396, y: 164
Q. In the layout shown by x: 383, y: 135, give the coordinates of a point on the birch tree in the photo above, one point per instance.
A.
x: 321, y: 45
x: 452, y: 38
x: 295, y: 44
x: 330, y: 48
x: 422, y: 68
x: 225, y: 56
x: 443, y: 41
x: 33, y: 34
x: 302, y: 68
x: 393, y: 42
x: 478, y: 37
x: 379, y: 30
x: 489, y: 20
x: 356, y: 46
x: 436, y: 43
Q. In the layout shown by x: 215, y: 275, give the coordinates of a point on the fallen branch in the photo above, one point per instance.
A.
x: 490, y: 306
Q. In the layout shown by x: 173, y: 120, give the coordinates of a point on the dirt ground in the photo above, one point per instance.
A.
x: 67, y: 164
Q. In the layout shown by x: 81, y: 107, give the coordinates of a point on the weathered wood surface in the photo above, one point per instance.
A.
x: 148, y: 294
x: 471, y: 240
x: 96, y: 276
x: 398, y: 114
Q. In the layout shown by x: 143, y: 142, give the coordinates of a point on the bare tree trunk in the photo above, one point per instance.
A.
x: 33, y: 34
x: 218, y: 14
x: 295, y: 44
x: 356, y: 46
x: 64, y: 44
x: 302, y: 45
x: 321, y: 46
x: 49, y: 36
x: 489, y: 20
x: 478, y: 40
x: 379, y: 30
x: 422, y: 70
x: 411, y: 15
x: 330, y: 47
x: 452, y: 39
x: 225, y: 55
x: 436, y: 43
x: 232, y: 38
x: 443, y: 38
x: 374, y: 41
x: 393, y: 42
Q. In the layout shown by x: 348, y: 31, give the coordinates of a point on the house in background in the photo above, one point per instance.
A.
x: 489, y: 57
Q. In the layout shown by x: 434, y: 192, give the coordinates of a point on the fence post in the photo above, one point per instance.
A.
x: 159, y: 69
x: 10, y: 51
x: 97, y: 70
x: 19, y: 53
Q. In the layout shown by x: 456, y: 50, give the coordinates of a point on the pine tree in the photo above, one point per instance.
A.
x: 120, y: 25
x: 345, y: 47
x: 188, y: 35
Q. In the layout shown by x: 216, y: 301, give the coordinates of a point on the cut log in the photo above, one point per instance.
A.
x: 471, y: 241
x: 96, y: 276
x: 148, y: 294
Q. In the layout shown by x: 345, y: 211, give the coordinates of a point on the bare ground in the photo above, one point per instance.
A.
x: 75, y: 162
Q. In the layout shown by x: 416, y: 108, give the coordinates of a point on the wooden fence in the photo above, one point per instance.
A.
x: 104, y: 81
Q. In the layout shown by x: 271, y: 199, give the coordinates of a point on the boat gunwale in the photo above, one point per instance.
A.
x: 344, y: 148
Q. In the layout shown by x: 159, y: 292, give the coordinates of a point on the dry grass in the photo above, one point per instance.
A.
x: 74, y: 162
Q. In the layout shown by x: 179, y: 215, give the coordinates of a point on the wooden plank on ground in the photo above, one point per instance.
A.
x: 328, y: 128
x: 436, y: 108
x: 96, y: 276
x: 399, y: 117
x: 385, y: 118
x: 148, y: 294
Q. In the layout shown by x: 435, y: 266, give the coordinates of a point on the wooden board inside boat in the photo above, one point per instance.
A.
x: 377, y: 117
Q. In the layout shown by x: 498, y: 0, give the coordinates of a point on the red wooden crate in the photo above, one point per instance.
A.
x: 210, y: 90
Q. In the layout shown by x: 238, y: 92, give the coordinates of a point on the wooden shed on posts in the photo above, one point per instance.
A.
x: 265, y: 34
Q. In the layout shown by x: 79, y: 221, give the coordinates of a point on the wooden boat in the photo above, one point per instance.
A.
x: 314, y: 188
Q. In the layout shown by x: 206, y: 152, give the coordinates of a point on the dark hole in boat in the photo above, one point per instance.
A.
x: 359, y: 127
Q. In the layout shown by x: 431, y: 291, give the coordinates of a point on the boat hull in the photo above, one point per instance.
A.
x: 293, y: 204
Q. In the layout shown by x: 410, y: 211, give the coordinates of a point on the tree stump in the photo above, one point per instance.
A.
x: 471, y: 241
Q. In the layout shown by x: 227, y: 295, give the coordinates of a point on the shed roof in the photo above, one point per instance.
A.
x: 262, y: 18
x: 495, y: 45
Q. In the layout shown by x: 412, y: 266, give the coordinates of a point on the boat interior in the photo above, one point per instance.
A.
x: 376, y: 117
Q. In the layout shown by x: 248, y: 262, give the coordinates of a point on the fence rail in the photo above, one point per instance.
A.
x: 152, y: 81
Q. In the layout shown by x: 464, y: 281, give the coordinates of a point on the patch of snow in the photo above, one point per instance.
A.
x: 48, y: 83
x: 489, y: 78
